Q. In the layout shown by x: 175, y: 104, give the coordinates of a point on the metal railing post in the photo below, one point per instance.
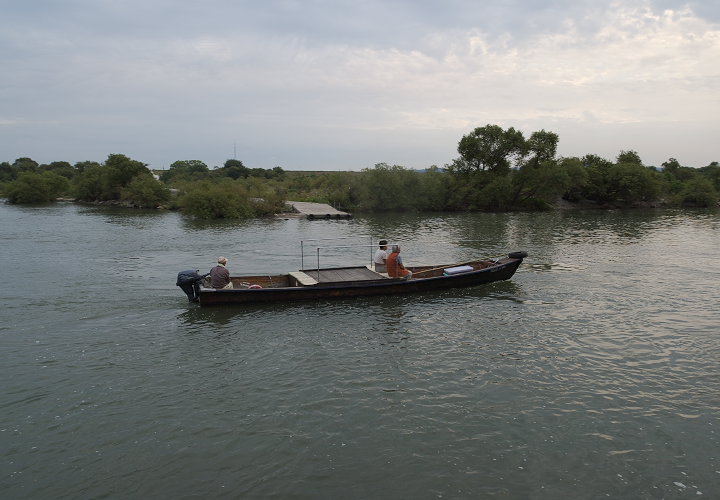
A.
x: 318, y: 264
x: 372, y: 256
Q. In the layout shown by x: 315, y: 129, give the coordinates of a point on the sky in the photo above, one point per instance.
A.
x: 344, y: 85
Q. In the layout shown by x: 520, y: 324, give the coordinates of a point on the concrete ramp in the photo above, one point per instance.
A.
x: 317, y: 210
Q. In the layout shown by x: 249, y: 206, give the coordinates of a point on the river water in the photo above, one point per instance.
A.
x: 593, y: 373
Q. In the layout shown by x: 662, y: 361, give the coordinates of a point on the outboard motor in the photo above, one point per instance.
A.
x: 189, y: 282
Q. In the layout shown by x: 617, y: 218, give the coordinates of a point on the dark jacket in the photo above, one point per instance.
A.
x: 189, y: 276
x: 220, y: 276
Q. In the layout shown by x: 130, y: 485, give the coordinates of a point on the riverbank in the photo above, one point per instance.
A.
x: 312, y: 210
x: 591, y: 205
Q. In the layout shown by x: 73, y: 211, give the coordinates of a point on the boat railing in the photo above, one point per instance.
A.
x: 371, y: 246
x: 303, y: 243
x: 327, y: 247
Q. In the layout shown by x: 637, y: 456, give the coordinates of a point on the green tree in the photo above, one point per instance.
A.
x: 678, y: 172
x: 82, y: 165
x: 629, y: 158
x: 338, y: 188
x: 699, y: 192
x: 598, y: 186
x: 673, y: 185
x: 260, y: 173
x: 216, y: 200
x: 36, y: 187
x: 61, y: 168
x: 497, y: 195
x: 7, y: 172
x: 542, y: 147
x: 712, y: 173
x: 530, y: 172
x: 25, y: 165
x: 145, y: 192
x: 335, y: 188
x: 672, y: 166
x: 95, y: 182
x: 120, y: 171
x: 89, y: 183
x: 233, y: 169
x: 577, y: 177
x: 265, y: 197
x: 434, y: 189
x: 278, y: 172
x: 489, y: 148
x: 540, y: 181
x: 631, y: 182
x: 538, y: 186
x: 185, y: 170
x: 386, y: 189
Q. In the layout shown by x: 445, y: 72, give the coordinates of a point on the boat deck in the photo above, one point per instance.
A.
x: 347, y: 274
x: 342, y: 276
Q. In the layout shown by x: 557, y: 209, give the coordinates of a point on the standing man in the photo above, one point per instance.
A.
x: 381, y: 257
x: 219, y: 275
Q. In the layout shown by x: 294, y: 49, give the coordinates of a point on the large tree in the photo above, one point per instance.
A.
x: 491, y: 149
x: 61, y: 168
x: 541, y: 147
x: 36, y: 187
x: 629, y: 157
x: 233, y: 169
x: 25, y: 165
x: 95, y: 182
x: 185, y: 169
x: 122, y: 169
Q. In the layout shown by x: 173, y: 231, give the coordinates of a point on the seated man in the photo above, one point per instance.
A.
x: 395, y: 267
x: 220, y: 276
x: 379, y: 260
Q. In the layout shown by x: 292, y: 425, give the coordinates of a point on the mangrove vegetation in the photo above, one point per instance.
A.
x: 496, y: 170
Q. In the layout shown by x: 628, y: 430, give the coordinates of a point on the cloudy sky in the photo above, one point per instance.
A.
x: 343, y: 85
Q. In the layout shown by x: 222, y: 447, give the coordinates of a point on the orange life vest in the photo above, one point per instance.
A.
x: 394, y: 268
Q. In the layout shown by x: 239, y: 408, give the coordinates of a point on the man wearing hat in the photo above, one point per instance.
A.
x: 380, y: 257
x: 219, y: 275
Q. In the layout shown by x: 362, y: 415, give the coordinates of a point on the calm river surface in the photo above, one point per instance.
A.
x: 593, y: 373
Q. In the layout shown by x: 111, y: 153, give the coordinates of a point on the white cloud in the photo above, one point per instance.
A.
x: 287, y: 94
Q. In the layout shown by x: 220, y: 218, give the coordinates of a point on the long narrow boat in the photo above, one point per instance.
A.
x: 342, y: 282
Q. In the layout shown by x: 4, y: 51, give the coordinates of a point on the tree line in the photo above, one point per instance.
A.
x: 120, y: 180
x: 496, y: 170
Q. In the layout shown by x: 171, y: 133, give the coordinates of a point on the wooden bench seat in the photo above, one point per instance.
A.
x: 302, y: 278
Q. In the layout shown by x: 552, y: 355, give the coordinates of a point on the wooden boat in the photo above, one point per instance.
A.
x: 343, y: 282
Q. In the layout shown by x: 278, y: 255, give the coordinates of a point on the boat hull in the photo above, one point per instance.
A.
x: 503, y: 269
